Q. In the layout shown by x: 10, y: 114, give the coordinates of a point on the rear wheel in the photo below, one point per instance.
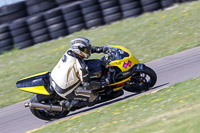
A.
x: 43, y: 114
x: 142, y: 80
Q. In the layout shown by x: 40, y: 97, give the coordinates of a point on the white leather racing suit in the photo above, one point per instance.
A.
x: 66, y: 75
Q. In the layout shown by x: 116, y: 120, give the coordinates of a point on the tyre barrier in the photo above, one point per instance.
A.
x: 130, y: 8
x: 51, y: 19
x: 150, y: 5
x: 65, y: 2
x: 92, y: 13
x: 38, y: 6
x: 20, y: 33
x: 12, y: 12
x: 38, y: 28
x: 73, y: 18
x: 5, y: 38
x: 55, y: 23
x: 187, y: 0
x: 111, y: 10
x: 167, y: 3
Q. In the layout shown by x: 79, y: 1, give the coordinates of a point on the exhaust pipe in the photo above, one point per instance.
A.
x: 47, y: 107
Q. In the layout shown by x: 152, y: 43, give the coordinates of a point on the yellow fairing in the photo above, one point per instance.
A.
x: 35, y: 75
x: 34, y: 83
x: 116, y: 89
x: 120, y: 63
x: 36, y: 90
x: 123, y: 81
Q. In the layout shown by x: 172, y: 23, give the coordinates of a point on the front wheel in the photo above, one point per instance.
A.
x: 43, y: 114
x: 142, y: 80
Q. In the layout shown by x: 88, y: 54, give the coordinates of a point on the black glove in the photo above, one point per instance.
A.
x: 96, y: 49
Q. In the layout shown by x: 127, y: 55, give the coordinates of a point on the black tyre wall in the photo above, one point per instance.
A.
x: 6, y: 48
x: 125, y: 1
x: 4, y: 28
x: 12, y: 12
x: 167, y: 3
x: 150, y: 5
x: 94, y: 22
x: 108, y: 4
x: 130, y: 8
x: 73, y: 16
x: 61, y: 2
x: 6, y: 42
x: 111, y: 11
x: 32, y: 2
x: 20, y: 41
x: 187, y: 0
x: 131, y: 5
x: 88, y: 3
x: 20, y: 33
x: 34, y: 7
x: 55, y: 23
x: 65, y: 2
x: 148, y: 2
x: 132, y: 13
x: 38, y: 28
x: 57, y: 30
x: 76, y: 28
x: 52, y: 13
x: 91, y: 11
x: 24, y: 44
x: 41, y: 38
x: 70, y: 8
x: 19, y: 23
x: 59, y: 33
x: 4, y: 35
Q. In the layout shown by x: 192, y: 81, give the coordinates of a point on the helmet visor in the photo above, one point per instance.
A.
x: 86, y: 50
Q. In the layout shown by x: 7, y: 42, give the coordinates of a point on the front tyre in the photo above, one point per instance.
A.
x: 43, y: 114
x: 142, y: 80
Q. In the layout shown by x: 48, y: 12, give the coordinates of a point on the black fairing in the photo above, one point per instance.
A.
x: 94, y: 67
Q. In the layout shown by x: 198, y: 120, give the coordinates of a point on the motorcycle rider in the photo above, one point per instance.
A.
x: 70, y: 77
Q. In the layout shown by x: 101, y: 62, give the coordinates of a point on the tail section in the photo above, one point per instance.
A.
x: 38, y: 84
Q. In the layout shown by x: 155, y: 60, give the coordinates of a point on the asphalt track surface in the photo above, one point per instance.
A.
x: 171, y: 69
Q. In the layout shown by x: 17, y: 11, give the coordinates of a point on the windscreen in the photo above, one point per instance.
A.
x: 114, y: 54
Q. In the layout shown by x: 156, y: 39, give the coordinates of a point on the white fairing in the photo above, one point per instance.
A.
x: 66, y: 73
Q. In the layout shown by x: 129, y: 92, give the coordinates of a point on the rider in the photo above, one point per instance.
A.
x: 70, y: 77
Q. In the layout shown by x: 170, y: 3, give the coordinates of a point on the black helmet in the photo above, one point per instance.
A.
x: 81, y: 46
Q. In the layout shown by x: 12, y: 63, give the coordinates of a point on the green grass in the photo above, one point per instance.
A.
x: 174, y: 109
x: 149, y: 37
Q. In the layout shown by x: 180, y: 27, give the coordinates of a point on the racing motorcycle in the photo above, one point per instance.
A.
x: 118, y: 66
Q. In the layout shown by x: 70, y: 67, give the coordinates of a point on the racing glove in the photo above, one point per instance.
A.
x: 97, y: 49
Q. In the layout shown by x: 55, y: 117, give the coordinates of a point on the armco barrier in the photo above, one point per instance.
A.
x: 34, y: 21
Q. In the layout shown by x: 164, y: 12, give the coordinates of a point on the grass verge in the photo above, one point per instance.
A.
x: 173, y: 109
x: 149, y: 37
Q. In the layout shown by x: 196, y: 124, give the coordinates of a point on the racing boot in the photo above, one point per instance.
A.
x: 68, y: 105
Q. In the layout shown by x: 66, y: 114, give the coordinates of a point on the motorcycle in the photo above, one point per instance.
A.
x: 118, y: 67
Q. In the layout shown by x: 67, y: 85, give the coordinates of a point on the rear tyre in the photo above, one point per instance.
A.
x: 142, y: 80
x: 42, y: 114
